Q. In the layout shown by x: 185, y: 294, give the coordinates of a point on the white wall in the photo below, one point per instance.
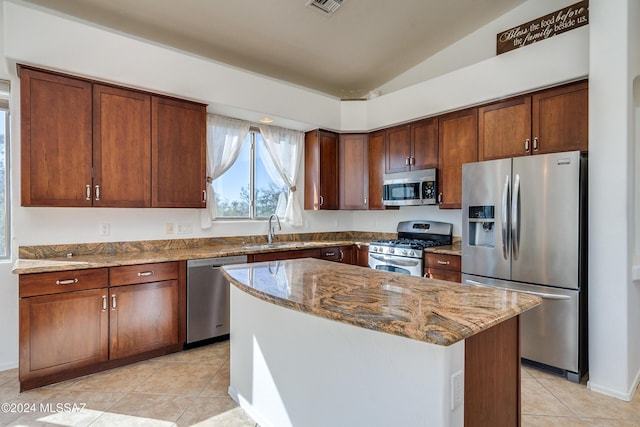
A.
x: 33, y: 36
x: 613, y: 298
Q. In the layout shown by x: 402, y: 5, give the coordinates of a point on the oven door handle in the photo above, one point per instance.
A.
x: 396, y: 261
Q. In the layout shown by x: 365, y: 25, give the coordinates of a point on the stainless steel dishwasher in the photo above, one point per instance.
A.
x: 208, y: 299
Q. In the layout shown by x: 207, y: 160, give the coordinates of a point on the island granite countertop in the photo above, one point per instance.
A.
x: 423, y: 309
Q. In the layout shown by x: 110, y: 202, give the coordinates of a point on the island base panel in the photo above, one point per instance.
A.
x: 290, y: 369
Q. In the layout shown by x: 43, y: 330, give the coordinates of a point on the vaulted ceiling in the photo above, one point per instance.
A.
x: 348, y: 54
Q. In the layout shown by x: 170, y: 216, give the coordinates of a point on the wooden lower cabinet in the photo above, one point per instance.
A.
x: 334, y: 253
x: 143, y: 318
x: 75, y: 323
x: 62, y: 332
x: 442, y: 267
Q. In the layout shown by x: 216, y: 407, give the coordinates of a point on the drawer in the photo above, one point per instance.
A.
x: 440, y: 261
x: 62, y: 281
x: 331, y: 254
x: 440, y: 274
x: 143, y: 273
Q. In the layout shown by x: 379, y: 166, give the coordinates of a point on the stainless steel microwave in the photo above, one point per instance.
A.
x: 412, y: 188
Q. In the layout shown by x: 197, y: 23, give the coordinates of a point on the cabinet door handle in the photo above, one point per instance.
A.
x: 535, y: 144
x: 204, y: 196
x: 87, y: 192
x: 406, y: 161
x: 97, y: 192
x: 145, y: 273
x: 341, y: 255
x: 114, y: 304
x: 412, y: 161
x: 104, y: 303
x: 321, y: 200
x: 443, y: 262
x: 66, y: 282
x: 439, y: 197
x: 365, y: 200
x: 526, y: 145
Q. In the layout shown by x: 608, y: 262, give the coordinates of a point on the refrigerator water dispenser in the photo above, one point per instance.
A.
x: 482, y: 226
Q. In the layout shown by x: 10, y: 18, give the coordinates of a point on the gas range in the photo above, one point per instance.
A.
x: 404, y: 254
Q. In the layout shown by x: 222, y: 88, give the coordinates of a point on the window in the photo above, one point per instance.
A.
x: 251, y: 188
x: 4, y: 181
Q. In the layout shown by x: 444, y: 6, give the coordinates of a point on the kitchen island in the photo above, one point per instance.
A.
x: 315, y: 343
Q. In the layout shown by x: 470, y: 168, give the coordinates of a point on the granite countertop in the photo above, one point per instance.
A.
x: 50, y: 258
x: 78, y: 262
x: 427, y: 310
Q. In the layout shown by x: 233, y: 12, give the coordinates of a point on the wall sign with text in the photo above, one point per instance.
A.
x: 558, y: 22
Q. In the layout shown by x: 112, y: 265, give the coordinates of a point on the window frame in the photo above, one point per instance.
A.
x: 253, y: 131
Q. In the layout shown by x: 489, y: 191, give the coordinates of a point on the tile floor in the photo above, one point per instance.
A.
x: 190, y: 388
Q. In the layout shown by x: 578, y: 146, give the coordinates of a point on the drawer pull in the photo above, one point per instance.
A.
x: 443, y: 262
x: 145, y: 273
x: 330, y: 254
x: 66, y: 282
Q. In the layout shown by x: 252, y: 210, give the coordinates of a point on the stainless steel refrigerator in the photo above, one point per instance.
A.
x: 525, y: 229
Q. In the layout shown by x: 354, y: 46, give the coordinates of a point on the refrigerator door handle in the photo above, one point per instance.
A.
x: 542, y: 295
x: 505, y: 219
x: 515, y: 217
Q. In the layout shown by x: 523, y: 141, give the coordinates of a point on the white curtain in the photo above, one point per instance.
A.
x: 285, y: 149
x: 224, y: 141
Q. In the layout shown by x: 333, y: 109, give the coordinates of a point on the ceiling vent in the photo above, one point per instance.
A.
x: 325, y: 6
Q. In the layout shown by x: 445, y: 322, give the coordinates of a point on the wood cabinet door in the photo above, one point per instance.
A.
x: 398, y: 149
x: 361, y: 255
x: 62, y: 331
x: 561, y: 119
x: 424, y: 144
x: 458, y: 137
x: 142, y: 317
x: 121, y: 147
x: 354, y: 171
x: 178, y: 153
x: 376, y: 169
x: 504, y: 129
x: 56, y: 146
x: 321, y: 183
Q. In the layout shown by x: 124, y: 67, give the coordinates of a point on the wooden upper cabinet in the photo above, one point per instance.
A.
x: 121, y: 147
x: 424, y: 144
x: 458, y: 137
x: 549, y: 121
x: 398, y: 149
x: 504, y: 129
x: 178, y: 153
x: 376, y: 169
x: 354, y: 171
x: 56, y: 142
x: 561, y: 119
x: 90, y: 144
x: 321, y: 170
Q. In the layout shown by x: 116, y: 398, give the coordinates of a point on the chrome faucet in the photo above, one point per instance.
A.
x: 272, y: 230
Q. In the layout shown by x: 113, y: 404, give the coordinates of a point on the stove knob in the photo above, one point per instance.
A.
x: 404, y: 252
x: 391, y: 250
x: 412, y: 253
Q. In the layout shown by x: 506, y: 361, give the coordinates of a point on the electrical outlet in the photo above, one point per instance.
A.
x: 105, y: 229
x: 457, y: 390
x: 168, y: 228
x: 185, y: 228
